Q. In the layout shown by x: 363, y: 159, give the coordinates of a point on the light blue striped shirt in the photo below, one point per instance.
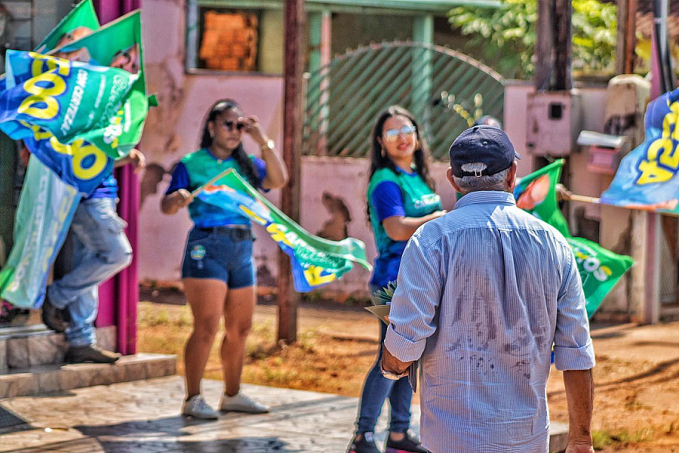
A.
x: 483, y: 293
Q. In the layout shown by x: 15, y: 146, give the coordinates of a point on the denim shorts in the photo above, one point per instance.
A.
x: 220, y: 253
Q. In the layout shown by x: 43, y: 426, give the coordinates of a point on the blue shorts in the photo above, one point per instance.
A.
x: 220, y: 253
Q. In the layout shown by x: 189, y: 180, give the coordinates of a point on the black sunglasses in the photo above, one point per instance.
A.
x: 229, y: 125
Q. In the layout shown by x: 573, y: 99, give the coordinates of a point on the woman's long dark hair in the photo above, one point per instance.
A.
x: 380, y: 159
x: 244, y: 162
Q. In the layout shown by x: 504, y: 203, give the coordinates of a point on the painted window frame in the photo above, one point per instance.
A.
x: 193, y: 32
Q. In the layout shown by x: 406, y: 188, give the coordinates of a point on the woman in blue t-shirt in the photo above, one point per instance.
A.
x: 400, y: 198
x: 218, y: 270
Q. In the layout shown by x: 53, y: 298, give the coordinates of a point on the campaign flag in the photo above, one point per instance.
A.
x: 118, y: 44
x: 66, y: 98
x: 82, y: 15
x: 315, y: 261
x: 599, y: 269
x: 46, y: 208
x: 79, y: 164
x: 648, y: 177
x: 536, y: 194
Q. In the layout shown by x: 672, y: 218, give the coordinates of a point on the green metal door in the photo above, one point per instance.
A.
x: 444, y: 89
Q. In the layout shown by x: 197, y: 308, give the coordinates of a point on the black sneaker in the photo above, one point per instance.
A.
x: 406, y: 445
x: 53, y: 317
x: 91, y: 353
x: 365, y: 445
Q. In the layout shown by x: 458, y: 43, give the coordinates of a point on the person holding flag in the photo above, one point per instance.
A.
x: 401, y: 198
x: 218, y: 270
x: 101, y: 250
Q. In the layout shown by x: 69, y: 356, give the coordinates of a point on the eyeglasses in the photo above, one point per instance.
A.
x: 229, y: 125
x: 391, y: 135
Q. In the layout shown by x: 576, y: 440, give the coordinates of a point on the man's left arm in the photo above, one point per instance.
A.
x: 580, y: 395
x: 414, y: 305
x: 574, y: 354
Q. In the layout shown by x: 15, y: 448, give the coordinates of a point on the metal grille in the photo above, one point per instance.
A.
x: 444, y: 89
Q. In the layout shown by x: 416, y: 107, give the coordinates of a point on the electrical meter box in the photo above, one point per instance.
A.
x: 554, y: 122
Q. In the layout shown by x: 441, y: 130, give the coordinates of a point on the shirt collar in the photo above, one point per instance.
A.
x: 209, y: 153
x: 486, y: 197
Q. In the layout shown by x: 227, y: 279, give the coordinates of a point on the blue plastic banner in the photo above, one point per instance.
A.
x: 45, y: 211
x: 648, y: 177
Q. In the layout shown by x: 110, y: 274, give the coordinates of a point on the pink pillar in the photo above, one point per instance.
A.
x: 118, y: 297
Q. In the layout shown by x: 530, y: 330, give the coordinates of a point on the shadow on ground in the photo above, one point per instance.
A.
x: 171, y: 434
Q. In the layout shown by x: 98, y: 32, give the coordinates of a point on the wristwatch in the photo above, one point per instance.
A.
x: 269, y: 144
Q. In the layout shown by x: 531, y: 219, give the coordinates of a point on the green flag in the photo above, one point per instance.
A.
x: 117, y: 44
x: 81, y: 16
x: 536, y: 194
x: 315, y: 261
x: 599, y: 269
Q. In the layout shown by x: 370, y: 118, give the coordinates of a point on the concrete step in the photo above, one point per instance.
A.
x: 52, y: 378
x: 29, y: 346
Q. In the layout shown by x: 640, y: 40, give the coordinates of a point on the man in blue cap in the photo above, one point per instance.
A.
x: 483, y: 293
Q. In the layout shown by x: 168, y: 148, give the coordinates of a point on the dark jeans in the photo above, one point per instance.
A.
x: 376, y: 389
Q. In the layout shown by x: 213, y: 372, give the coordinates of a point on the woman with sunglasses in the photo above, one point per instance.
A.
x: 400, y: 198
x: 218, y: 270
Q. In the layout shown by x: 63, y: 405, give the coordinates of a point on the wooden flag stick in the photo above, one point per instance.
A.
x: 584, y: 199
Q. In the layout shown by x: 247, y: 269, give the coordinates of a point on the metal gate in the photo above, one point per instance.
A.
x: 444, y: 89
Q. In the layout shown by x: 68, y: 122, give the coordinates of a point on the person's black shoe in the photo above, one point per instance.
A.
x: 53, y: 317
x: 366, y: 444
x: 406, y: 445
x: 91, y: 353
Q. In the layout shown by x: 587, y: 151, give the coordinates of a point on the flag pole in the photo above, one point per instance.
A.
x: 292, y: 143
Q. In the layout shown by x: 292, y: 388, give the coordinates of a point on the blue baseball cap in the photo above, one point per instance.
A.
x: 482, y: 144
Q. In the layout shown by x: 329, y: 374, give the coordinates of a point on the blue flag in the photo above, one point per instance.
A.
x: 45, y: 211
x: 70, y: 99
x: 79, y: 164
x: 648, y: 177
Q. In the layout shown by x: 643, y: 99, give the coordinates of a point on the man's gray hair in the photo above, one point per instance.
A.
x: 498, y: 181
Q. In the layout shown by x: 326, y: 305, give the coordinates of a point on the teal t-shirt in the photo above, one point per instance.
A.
x: 196, y: 169
x: 416, y: 199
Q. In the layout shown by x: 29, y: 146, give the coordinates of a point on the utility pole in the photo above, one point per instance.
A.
x: 553, y: 46
x: 626, y: 38
x: 292, y: 146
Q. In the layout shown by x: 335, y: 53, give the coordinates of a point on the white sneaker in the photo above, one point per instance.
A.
x: 242, y: 403
x: 197, y: 407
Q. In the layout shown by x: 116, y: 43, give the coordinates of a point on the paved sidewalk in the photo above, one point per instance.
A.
x: 142, y: 417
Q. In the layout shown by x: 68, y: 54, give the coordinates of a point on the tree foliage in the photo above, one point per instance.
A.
x: 507, y: 34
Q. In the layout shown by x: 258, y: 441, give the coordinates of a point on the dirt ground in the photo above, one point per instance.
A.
x: 636, y: 377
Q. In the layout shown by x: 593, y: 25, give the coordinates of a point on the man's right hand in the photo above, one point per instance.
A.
x: 182, y: 198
